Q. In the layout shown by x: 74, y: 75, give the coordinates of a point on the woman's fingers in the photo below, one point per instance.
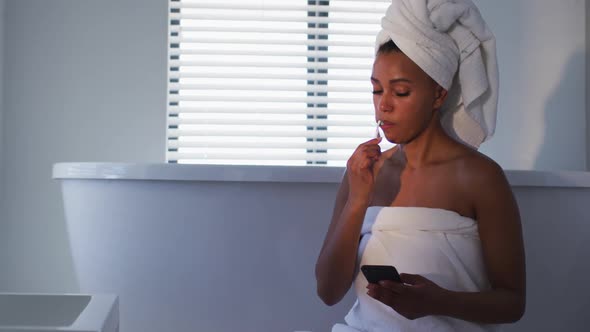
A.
x: 381, y: 294
x: 371, y: 151
x: 372, y: 141
x: 393, y: 286
x: 374, y: 149
x: 367, y: 161
x: 365, y: 155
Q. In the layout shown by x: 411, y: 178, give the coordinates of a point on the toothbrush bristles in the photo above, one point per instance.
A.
x: 378, y: 134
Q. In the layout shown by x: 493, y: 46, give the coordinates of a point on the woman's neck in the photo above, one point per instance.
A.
x: 429, y: 147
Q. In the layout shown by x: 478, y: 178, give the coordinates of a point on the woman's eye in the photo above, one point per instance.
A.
x: 403, y: 94
x: 377, y: 92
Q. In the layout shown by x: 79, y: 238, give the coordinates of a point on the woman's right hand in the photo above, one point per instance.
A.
x: 362, y: 168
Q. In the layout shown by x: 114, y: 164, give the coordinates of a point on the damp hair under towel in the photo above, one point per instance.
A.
x: 388, y: 47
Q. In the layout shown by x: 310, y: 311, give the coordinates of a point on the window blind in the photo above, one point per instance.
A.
x: 260, y: 82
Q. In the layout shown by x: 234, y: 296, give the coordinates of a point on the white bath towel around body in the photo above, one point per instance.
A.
x: 438, y: 244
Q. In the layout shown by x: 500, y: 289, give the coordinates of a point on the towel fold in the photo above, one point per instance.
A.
x: 451, y: 42
x: 440, y: 245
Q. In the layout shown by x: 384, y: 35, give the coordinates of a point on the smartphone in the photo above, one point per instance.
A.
x: 376, y: 273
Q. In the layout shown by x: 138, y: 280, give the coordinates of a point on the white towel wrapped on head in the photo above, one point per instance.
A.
x: 451, y: 42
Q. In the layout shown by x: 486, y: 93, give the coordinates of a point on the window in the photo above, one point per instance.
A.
x: 261, y: 82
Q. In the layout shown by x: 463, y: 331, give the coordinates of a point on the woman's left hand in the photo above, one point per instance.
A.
x: 416, y: 297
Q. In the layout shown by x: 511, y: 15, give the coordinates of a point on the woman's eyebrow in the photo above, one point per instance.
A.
x: 392, y: 81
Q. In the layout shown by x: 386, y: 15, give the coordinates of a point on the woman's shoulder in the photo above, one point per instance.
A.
x: 477, y: 169
x: 480, y: 179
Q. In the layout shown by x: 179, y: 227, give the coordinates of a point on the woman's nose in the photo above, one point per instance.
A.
x: 384, y: 104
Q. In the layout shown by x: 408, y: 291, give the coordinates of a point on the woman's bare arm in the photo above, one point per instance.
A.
x: 503, y: 252
x: 335, y: 265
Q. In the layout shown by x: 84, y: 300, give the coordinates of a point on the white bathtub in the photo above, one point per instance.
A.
x: 21, y: 312
x: 226, y: 248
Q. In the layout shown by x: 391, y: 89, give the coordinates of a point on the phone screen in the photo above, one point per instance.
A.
x: 376, y: 273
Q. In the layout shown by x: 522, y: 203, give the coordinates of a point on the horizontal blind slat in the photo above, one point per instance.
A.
x: 259, y: 156
x: 226, y: 64
x: 270, y: 18
x: 276, y: 6
x: 264, y: 133
x: 271, y: 41
x: 271, y: 99
x: 267, y: 122
x: 283, y: 76
x: 308, y: 31
x: 272, y: 53
x: 175, y: 110
x: 267, y: 87
x: 176, y: 144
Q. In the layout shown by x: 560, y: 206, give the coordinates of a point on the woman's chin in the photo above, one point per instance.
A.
x: 394, y: 140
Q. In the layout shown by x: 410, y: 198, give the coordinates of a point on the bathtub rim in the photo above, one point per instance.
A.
x: 289, y: 174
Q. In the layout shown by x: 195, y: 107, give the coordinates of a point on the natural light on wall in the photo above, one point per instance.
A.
x: 254, y: 82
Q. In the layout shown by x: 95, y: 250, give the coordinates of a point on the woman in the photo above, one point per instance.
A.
x: 433, y: 206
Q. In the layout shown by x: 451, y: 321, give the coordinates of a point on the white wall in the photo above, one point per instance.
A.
x: 1, y: 92
x: 587, y: 33
x: 84, y: 80
x: 3, y: 248
x: 542, y: 107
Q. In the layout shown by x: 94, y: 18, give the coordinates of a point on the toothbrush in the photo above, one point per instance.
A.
x: 377, y: 133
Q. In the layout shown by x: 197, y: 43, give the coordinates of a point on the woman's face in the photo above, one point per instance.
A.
x: 404, y: 97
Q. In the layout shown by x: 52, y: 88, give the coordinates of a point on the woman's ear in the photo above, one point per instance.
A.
x: 440, y: 95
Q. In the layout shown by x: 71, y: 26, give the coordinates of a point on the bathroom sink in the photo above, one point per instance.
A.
x: 23, y: 312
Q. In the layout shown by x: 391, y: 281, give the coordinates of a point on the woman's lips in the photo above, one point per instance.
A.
x: 387, y: 125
